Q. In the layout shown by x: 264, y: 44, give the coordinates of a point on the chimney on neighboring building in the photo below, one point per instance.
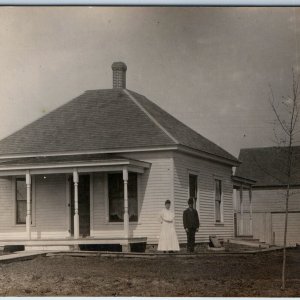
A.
x: 119, y: 75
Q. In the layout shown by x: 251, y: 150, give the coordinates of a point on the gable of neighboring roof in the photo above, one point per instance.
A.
x: 181, y: 132
x: 268, y: 166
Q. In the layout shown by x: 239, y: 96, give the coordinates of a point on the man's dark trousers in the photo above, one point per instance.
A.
x: 191, y: 224
x: 191, y: 239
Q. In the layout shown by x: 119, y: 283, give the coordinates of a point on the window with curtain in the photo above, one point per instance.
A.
x: 218, y: 200
x: 193, y: 188
x: 21, y: 202
x: 116, y: 197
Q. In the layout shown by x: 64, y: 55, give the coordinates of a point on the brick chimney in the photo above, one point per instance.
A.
x: 119, y: 75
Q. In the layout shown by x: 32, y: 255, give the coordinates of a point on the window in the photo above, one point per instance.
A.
x: 193, y: 188
x: 21, y: 202
x: 116, y: 197
x: 218, y: 200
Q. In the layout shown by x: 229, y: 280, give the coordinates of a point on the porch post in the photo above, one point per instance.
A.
x: 28, y: 210
x: 250, y: 201
x: 242, y: 211
x: 76, y: 215
x: 126, y: 215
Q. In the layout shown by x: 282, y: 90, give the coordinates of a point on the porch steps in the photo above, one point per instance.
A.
x: 246, y: 238
x: 250, y: 242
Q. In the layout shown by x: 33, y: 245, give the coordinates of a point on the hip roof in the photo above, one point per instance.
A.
x: 106, y: 119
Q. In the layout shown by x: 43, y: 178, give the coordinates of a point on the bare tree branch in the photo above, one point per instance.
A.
x: 288, y: 121
x: 272, y: 102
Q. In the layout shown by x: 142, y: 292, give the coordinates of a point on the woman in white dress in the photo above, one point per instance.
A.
x: 168, y: 239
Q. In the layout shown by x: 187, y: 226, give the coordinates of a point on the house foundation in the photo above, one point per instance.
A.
x: 73, y: 244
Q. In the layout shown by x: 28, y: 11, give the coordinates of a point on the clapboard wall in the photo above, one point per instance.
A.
x: 49, y: 208
x: 207, y: 172
x: 167, y: 178
x: 268, y: 207
x: 154, y: 187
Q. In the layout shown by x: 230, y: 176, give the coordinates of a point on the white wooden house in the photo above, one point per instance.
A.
x: 260, y: 197
x: 98, y: 170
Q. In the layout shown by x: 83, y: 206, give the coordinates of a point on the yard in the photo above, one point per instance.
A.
x: 203, y: 275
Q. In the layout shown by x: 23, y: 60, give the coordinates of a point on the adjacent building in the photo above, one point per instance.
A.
x: 260, y: 198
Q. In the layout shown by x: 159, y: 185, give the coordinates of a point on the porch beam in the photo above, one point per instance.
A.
x: 126, y: 215
x: 28, y: 207
x: 108, y: 169
x: 76, y: 213
x: 70, y: 170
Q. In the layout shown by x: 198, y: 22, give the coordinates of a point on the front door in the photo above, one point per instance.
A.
x: 83, y: 205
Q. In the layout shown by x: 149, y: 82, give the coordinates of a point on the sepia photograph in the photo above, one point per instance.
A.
x: 149, y: 151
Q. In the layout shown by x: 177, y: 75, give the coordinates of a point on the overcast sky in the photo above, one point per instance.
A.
x: 209, y: 67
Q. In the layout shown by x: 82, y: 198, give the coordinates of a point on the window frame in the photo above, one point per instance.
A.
x: 106, y: 195
x: 33, y: 201
x: 221, y: 222
x: 18, y: 201
x: 193, y: 173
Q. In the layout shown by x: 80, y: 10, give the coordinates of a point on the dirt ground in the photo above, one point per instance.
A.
x: 213, y: 275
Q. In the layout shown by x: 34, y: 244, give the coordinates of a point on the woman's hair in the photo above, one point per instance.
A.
x: 168, y: 201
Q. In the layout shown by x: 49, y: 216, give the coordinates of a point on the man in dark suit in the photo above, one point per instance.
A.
x: 191, y: 224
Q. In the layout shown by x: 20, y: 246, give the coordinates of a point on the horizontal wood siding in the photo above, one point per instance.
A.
x: 293, y: 232
x: 167, y: 178
x: 261, y: 224
x: 50, y: 206
x: 268, y: 206
x: 207, y: 173
x: 8, y: 228
x: 272, y: 200
x: 101, y: 226
x: 154, y: 187
x: 48, y: 210
x: 246, y: 224
x: 51, y: 213
x: 7, y: 216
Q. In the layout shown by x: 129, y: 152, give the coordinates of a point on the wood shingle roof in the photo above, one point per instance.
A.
x: 106, y: 119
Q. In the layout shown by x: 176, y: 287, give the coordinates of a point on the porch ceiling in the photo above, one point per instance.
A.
x: 67, y: 164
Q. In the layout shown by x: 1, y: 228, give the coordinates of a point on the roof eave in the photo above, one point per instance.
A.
x: 209, y: 156
x: 173, y: 147
x: 82, y: 166
x: 102, y: 151
x: 239, y: 182
x: 276, y: 186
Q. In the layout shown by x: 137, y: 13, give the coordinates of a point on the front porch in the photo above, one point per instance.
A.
x: 61, y: 212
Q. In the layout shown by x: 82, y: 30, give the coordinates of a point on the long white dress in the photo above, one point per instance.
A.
x: 168, y: 239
